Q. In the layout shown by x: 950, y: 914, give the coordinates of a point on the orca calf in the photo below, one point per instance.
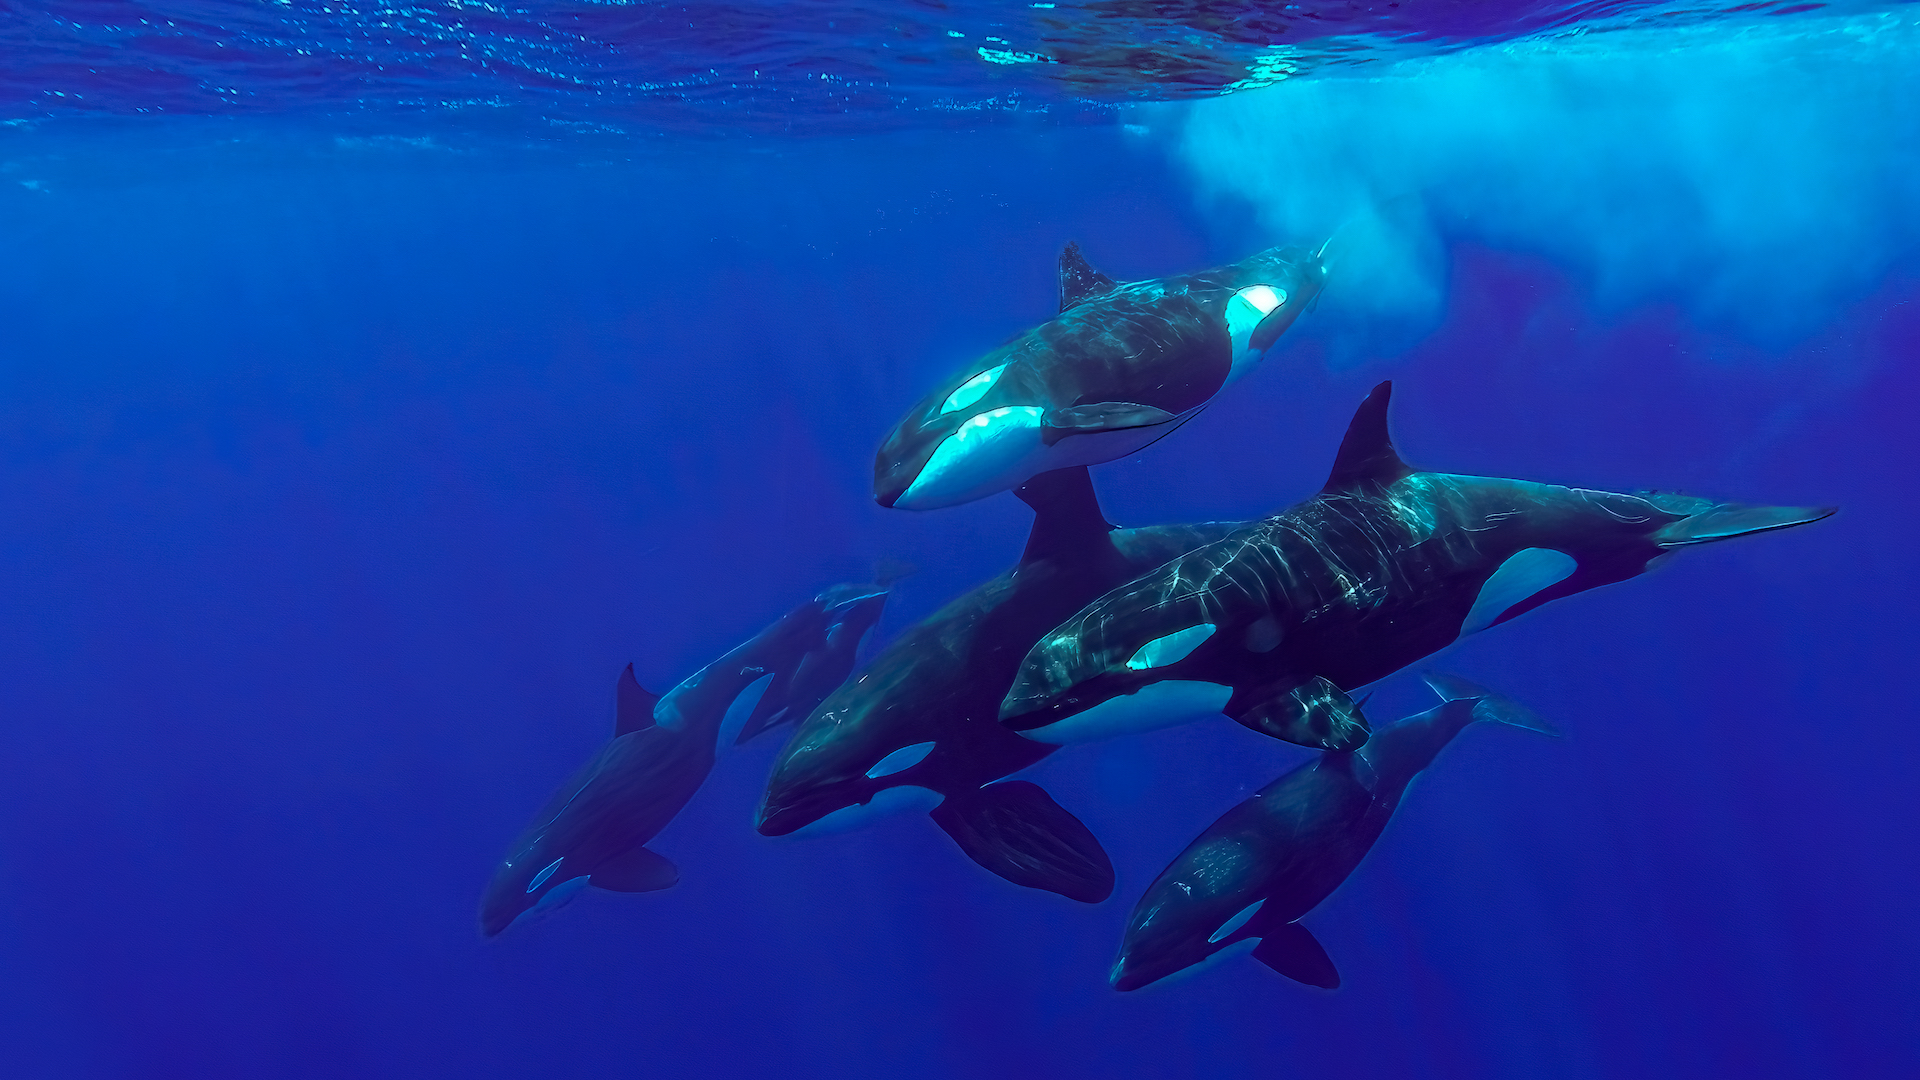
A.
x: 1274, y: 857
x: 593, y: 830
x: 919, y: 727
x: 795, y: 691
x: 1122, y: 365
x: 1274, y: 624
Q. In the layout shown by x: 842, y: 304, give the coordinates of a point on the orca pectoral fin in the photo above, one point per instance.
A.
x: 1098, y: 417
x: 639, y: 870
x: 1315, y: 713
x: 1290, y: 950
x: 1016, y: 830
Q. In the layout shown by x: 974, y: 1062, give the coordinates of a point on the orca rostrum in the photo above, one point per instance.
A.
x: 1244, y: 883
x: 1122, y: 365
x: 595, y: 828
x: 1275, y: 624
x: 919, y: 728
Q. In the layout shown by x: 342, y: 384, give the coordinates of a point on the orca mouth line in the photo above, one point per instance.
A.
x: 779, y: 818
x: 779, y: 821
x: 1038, y: 709
x: 1027, y: 721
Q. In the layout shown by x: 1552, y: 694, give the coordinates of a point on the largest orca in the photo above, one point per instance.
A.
x: 1122, y: 365
x: 1246, y: 880
x: 593, y: 830
x: 1385, y: 565
x: 918, y: 728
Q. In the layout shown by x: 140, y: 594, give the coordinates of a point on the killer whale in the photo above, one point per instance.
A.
x: 1273, y: 858
x: 1121, y: 365
x: 919, y: 725
x: 593, y: 830
x: 1387, y: 564
x: 796, y: 690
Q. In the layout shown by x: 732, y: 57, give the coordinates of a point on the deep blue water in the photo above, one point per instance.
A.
x: 349, y: 448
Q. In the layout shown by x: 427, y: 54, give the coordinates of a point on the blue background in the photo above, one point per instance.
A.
x: 338, y: 480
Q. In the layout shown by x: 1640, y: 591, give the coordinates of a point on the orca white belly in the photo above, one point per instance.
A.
x: 1001, y: 449
x: 1153, y: 706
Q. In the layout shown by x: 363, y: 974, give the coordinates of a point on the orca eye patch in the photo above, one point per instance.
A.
x: 900, y: 760
x: 1170, y: 648
x: 1239, y: 920
x: 540, y: 878
x: 972, y: 390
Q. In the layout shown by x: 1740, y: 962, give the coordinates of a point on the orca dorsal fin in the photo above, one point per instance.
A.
x: 632, y: 704
x: 1366, y: 454
x: 1067, y: 521
x: 1078, y: 279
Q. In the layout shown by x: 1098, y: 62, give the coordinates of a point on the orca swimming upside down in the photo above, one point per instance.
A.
x: 1121, y: 366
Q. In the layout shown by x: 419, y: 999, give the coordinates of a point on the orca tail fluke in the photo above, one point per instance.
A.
x: 759, y: 723
x: 1294, y: 952
x: 1731, y: 520
x: 1488, y: 705
x: 1015, y: 829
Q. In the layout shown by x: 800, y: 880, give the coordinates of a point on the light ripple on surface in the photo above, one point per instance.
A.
x: 559, y: 70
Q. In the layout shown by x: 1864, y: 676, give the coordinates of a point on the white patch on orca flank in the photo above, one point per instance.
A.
x: 1235, y: 923
x: 1246, y: 309
x: 541, y: 877
x: 900, y: 760
x: 885, y: 803
x: 737, y: 713
x: 1155, y: 705
x: 1170, y: 648
x: 1524, y: 574
x: 972, y: 390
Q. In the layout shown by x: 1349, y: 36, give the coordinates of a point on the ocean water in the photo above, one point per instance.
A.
x: 376, y: 382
